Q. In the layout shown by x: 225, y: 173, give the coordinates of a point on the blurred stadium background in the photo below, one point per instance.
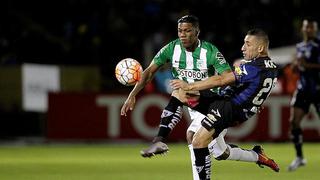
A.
x: 57, y: 84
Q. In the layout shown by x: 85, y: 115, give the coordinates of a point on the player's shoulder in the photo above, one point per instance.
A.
x: 170, y: 46
x: 316, y: 42
x: 175, y: 42
x: 264, y: 63
x: 300, y: 44
x: 208, y: 45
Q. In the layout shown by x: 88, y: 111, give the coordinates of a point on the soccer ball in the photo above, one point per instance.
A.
x: 128, y: 71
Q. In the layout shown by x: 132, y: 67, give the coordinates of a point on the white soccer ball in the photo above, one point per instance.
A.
x: 128, y: 71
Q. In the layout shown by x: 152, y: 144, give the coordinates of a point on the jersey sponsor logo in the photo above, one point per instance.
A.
x: 208, y: 166
x: 199, y: 168
x: 211, y: 118
x: 201, y: 64
x: 175, y: 119
x: 193, y: 74
x: 237, y: 70
x: 207, y: 123
x: 220, y: 57
x: 166, y: 113
x: 240, y: 71
x: 216, y: 112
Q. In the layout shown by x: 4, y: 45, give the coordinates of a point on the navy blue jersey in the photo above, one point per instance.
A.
x: 254, y: 81
x: 309, y: 78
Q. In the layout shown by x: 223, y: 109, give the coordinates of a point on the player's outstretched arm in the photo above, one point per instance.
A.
x: 211, y: 82
x: 146, y: 77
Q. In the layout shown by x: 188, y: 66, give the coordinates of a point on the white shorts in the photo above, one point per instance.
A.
x: 196, y: 119
x: 217, y: 146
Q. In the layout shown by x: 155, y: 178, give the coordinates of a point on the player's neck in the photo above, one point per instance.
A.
x: 308, y: 39
x: 262, y: 55
x: 193, y: 46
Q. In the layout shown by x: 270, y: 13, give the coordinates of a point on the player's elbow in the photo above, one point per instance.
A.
x: 226, y: 80
x: 147, y: 76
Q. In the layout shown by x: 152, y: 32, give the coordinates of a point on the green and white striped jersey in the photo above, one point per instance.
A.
x: 205, y: 61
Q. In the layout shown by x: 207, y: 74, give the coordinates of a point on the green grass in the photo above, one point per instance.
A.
x: 123, y: 162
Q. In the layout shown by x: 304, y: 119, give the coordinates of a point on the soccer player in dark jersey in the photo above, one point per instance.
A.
x: 253, y: 82
x: 308, y: 87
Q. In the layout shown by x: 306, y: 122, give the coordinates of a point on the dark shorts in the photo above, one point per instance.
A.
x: 303, y: 100
x: 220, y: 113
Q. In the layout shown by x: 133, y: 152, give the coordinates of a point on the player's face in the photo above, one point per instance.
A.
x: 309, y: 29
x: 250, y: 48
x: 187, y: 34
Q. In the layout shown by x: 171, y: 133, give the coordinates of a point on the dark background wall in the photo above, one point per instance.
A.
x: 85, y: 32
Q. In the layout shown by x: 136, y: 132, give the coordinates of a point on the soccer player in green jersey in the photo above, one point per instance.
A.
x: 192, y: 60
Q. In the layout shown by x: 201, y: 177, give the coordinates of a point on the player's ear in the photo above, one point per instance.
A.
x: 261, y: 48
x: 197, y: 31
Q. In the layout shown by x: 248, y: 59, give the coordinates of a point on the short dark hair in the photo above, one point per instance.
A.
x: 309, y: 19
x: 190, y: 19
x: 261, y: 34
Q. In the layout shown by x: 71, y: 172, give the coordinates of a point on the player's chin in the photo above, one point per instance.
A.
x: 186, y: 44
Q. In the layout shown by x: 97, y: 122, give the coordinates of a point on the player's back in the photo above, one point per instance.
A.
x: 254, y: 81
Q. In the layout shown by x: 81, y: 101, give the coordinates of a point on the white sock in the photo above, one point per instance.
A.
x: 239, y: 154
x: 193, y: 164
x: 218, y: 146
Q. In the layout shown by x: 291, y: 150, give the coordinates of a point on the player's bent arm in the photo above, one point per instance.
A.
x: 147, y: 76
x: 213, y: 81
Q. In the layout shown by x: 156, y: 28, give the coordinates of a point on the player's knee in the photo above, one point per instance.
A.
x: 294, y: 123
x: 197, y: 143
x: 189, y: 136
x: 296, y: 117
x: 200, y: 142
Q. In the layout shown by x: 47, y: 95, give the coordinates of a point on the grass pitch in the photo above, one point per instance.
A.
x: 123, y: 162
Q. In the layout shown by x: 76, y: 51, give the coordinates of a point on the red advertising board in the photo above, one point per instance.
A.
x: 97, y: 116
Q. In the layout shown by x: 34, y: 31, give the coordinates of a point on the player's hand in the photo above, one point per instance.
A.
x: 128, y: 105
x: 238, y: 62
x: 177, y: 84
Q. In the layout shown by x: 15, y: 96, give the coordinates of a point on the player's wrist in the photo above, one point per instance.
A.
x: 190, y: 87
